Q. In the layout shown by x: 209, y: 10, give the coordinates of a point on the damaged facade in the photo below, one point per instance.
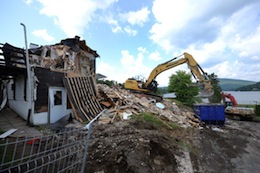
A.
x: 62, y: 81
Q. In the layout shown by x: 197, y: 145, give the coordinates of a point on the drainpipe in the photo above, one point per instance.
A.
x: 28, y: 67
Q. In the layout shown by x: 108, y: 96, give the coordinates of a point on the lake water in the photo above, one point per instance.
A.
x: 242, y: 97
x: 246, y: 97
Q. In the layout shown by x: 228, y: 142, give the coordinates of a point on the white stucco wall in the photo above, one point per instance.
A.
x: 21, y: 106
x: 18, y: 104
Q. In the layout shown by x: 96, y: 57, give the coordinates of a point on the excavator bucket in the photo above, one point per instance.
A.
x: 206, y: 90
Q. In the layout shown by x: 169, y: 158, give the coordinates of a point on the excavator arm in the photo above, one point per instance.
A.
x: 196, y: 70
x: 230, y: 97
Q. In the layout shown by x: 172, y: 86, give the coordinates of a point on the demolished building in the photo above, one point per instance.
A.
x: 61, y: 78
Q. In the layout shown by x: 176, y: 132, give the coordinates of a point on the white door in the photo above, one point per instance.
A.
x: 57, y: 103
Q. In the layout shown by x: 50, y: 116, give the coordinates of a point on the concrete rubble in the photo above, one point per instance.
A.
x: 120, y: 103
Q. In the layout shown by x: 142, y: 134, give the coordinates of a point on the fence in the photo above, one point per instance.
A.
x: 65, y: 151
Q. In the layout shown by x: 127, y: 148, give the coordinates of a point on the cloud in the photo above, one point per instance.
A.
x: 136, y: 17
x: 236, y: 70
x: 223, y: 36
x: 155, y: 56
x: 193, y: 22
x: 114, y: 24
x: 43, y: 34
x: 142, y: 50
x: 73, y: 16
x: 28, y: 2
x: 106, y: 69
x: 120, y: 22
x: 130, y: 31
x: 133, y: 65
x: 127, y: 59
x: 247, y: 47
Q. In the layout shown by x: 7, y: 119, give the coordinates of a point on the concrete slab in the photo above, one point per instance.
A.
x: 7, y: 133
x: 10, y: 120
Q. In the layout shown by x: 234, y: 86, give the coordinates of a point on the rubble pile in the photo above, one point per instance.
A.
x: 123, y: 103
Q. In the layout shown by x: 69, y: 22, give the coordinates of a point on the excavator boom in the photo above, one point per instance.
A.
x: 151, y: 85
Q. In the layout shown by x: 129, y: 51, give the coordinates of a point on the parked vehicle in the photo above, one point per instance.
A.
x: 232, y: 109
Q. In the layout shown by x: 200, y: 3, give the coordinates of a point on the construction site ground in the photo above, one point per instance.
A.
x: 138, y: 146
x: 169, y: 139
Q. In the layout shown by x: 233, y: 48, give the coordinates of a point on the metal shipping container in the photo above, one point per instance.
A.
x: 210, y: 113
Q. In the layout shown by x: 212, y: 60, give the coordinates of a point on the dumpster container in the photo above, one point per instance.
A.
x: 210, y: 113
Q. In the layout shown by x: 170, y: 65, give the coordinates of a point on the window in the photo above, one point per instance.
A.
x: 58, y: 98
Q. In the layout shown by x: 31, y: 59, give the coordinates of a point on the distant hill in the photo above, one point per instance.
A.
x: 233, y: 84
x: 253, y: 87
x: 229, y: 85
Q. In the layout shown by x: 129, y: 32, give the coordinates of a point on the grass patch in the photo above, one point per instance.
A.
x: 154, y: 120
x: 256, y: 118
x: 246, y: 106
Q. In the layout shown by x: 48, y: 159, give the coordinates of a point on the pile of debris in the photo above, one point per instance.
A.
x: 122, y: 103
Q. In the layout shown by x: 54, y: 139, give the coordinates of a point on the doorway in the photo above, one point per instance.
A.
x: 57, y: 103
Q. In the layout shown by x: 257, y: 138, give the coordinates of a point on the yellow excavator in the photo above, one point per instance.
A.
x: 150, y: 85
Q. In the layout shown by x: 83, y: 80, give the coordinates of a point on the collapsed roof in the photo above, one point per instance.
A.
x: 71, y: 54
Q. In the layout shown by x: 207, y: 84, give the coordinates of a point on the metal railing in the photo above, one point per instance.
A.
x: 65, y: 151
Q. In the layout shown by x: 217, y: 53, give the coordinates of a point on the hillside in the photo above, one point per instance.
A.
x: 253, y: 87
x: 233, y: 84
x: 228, y: 85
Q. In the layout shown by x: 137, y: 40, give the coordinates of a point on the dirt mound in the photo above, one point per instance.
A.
x: 138, y: 146
x: 133, y: 146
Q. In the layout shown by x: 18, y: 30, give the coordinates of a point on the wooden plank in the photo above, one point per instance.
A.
x: 74, y: 99
x: 83, y: 95
x: 77, y: 99
x: 76, y: 113
x: 91, y: 99
x: 98, y: 106
x: 7, y: 133
x: 85, y: 99
x: 92, y: 94
x: 80, y: 95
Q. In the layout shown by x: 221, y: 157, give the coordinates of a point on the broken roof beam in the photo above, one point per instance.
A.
x: 13, y: 56
x: 76, y: 45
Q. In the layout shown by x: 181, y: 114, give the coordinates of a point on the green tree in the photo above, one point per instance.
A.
x: 161, y: 90
x: 181, y: 84
x: 216, y: 97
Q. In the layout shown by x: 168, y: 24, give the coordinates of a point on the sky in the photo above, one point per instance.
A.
x: 133, y: 37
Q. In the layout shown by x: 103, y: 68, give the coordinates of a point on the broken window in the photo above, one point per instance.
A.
x: 58, y: 98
